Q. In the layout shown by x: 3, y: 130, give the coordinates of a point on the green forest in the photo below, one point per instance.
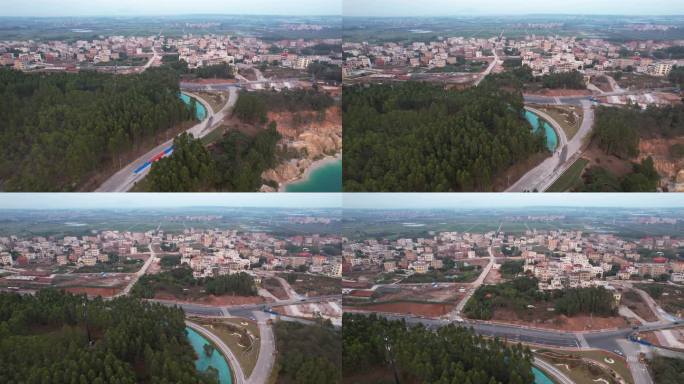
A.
x: 190, y: 168
x: 311, y: 354
x: 235, y: 163
x: 176, y: 280
x: 373, y: 345
x: 218, y: 71
x: 617, y: 130
x: 419, y: 137
x: 252, y: 107
x: 58, y: 129
x: 643, y: 178
x: 564, y: 80
x: 517, y: 294
x: 676, y: 76
x: 56, y: 337
x: 666, y: 370
x: 326, y: 72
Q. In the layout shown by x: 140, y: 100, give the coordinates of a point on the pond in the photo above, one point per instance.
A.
x: 540, y: 377
x: 551, y: 137
x: 216, y: 359
x: 201, y: 112
x: 326, y: 178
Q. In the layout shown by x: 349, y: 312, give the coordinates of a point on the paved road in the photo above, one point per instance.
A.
x: 238, y: 374
x: 155, y: 56
x: 291, y: 293
x: 541, y: 177
x: 533, y: 179
x: 553, y: 371
x: 206, y: 310
x: 266, y: 83
x: 139, y: 273
x: 639, y: 371
x: 267, y: 351
x: 456, y: 313
x: 489, y: 68
x: 125, y: 179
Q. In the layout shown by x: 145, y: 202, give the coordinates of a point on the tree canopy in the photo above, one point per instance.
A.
x: 449, y: 355
x: 419, y: 137
x: 176, y: 280
x: 59, y: 128
x: 618, y: 130
x: 190, y: 168
x: 235, y: 163
x: 643, y: 178
x: 564, y: 80
x: 56, y: 337
x: 517, y: 294
x: 311, y: 354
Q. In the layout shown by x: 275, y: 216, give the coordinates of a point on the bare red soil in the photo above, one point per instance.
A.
x: 419, y: 309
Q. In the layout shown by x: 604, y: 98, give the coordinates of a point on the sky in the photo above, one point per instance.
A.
x: 53, y: 8
x: 510, y: 200
x: 167, y: 200
x: 510, y: 7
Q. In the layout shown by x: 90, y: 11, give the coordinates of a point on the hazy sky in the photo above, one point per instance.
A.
x: 498, y: 200
x: 517, y: 7
x: 163, y: 200
x: 167, y: 7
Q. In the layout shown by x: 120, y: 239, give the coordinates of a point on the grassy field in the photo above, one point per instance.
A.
x: 570, y: 177
x: 565, y: 117
x: 240, y: 335
x: 215, y: 99
x: 580, y: 372
x: 641, y: 81
x: 312, y: 285
x: 215, y: 135
x: 670, y: 298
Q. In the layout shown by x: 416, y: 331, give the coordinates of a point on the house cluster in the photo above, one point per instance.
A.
x: 25, y: 55
x: 571, y: 259
x: 417, y: 54
x: 414, y: 255
x: 206, y: 50
x: 207, y: 252
x: 565, y: 54
x: 543, y: 54
x: 558, y: 259
x: 71, y: 250
x: 197, y: 51
x: 219, y: 252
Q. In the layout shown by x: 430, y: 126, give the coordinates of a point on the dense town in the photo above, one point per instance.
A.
x: 206, y: 252
x: 558, y: 259
x: 552, y: 54
x: 132, y: 51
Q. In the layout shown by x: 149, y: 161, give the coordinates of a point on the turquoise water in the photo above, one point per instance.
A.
x: 201, y: 113
x: 216, y: 360
x: 540, y: 377
x: 551, y: 137
x: 327, y: 178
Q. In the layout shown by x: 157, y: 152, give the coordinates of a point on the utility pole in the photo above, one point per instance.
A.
x: 85, y: 317
x: 390, y: 357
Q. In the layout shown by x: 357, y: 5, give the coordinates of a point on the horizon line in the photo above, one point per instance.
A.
x: 112, y: 16
x: 346, y: 208
x: 512, y: 14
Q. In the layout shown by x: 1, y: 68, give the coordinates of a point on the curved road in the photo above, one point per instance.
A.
x: 541, y: 177
x: 559, y: 376
x: 489, y: 68
x: 125, y: 179
x: 267, y: 351
x: 238, y: 374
